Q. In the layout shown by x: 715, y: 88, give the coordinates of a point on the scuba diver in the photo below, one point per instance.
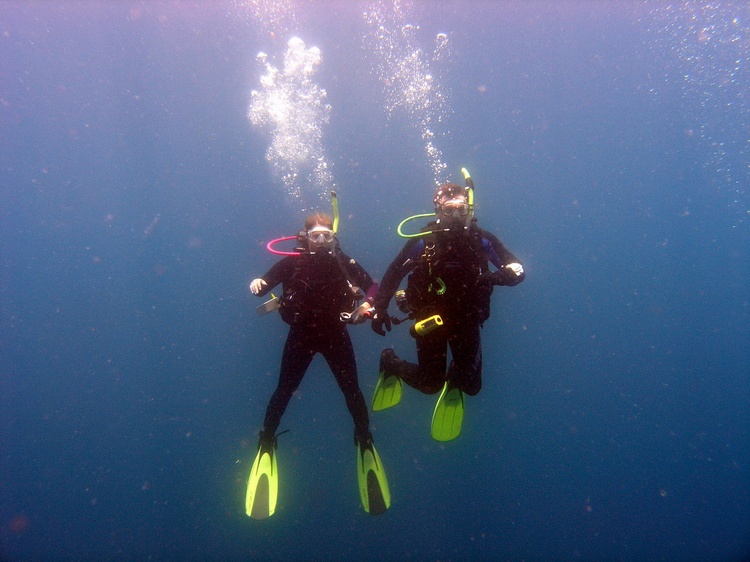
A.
x: 448, y: 295
x: 321, y: 286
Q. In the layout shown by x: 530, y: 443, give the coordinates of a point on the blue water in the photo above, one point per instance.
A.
x: 608, y: 143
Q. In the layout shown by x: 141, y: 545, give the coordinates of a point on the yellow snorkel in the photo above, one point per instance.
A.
x: 335, y: 203
x: 469, y: 195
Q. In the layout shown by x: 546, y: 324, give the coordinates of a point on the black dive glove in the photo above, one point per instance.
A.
x: 379, y: 320
x: 506, y: 276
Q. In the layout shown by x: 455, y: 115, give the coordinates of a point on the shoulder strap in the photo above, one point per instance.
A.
x: 477, y: 243
x: 339, y: 255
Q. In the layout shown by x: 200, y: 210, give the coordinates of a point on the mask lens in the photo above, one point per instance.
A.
x: 461, y: 208
x: 322, y: 236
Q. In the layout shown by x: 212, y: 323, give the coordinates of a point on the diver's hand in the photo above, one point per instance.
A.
x: 517, y: 269
x: 518, y: 274
x: 363, y: 312
x: 510, y: 275
x: 380, y: 320
x: 256, y: 285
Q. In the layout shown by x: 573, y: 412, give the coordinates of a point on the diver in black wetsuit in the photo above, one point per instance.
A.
x: 318, y: 285
x: 449, y: 277
x: 321, y: 286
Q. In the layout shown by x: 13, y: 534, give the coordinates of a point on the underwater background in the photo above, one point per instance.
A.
x: 150, y: 150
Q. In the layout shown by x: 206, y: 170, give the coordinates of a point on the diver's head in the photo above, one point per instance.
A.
x: 451, y: 206
x: 319, y: 233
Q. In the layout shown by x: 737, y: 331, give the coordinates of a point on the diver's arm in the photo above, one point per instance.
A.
x: 278, y: 272
x: 497, y: 253
x: 509, y: 269
x: 403, y: 264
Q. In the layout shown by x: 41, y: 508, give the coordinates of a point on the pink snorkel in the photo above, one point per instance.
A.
x: 270, y: 248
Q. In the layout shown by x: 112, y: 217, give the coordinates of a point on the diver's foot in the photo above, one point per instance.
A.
x: 373, y: 484
x: 362, y: 438
x: 263, y: 483
x: 389, y: 388
x: 386, y: 357
x: 448, y: 417
x: 267, y: 440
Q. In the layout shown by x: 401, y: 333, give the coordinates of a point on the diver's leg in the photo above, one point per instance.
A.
x: 428, y: 376
x: 339, y: 353
x: 297, y: 356
x: 465, y: 371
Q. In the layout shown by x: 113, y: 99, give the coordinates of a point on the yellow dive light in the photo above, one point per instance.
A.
x: 424, y: 327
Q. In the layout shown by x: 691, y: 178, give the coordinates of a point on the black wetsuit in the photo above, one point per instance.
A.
x: 450, y: 277
x: 316, y: 290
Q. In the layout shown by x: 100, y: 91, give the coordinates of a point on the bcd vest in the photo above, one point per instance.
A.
x: 318, y: 290
x: 446, y: 277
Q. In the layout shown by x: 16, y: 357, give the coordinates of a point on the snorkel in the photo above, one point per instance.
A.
x: 335, y: 204
x: 469, y: 196
x: 470, y: 215
x: 270, y: 246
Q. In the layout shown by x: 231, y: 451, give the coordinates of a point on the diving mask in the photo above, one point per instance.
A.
x: 320, y: 235
x: 455, y: 206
